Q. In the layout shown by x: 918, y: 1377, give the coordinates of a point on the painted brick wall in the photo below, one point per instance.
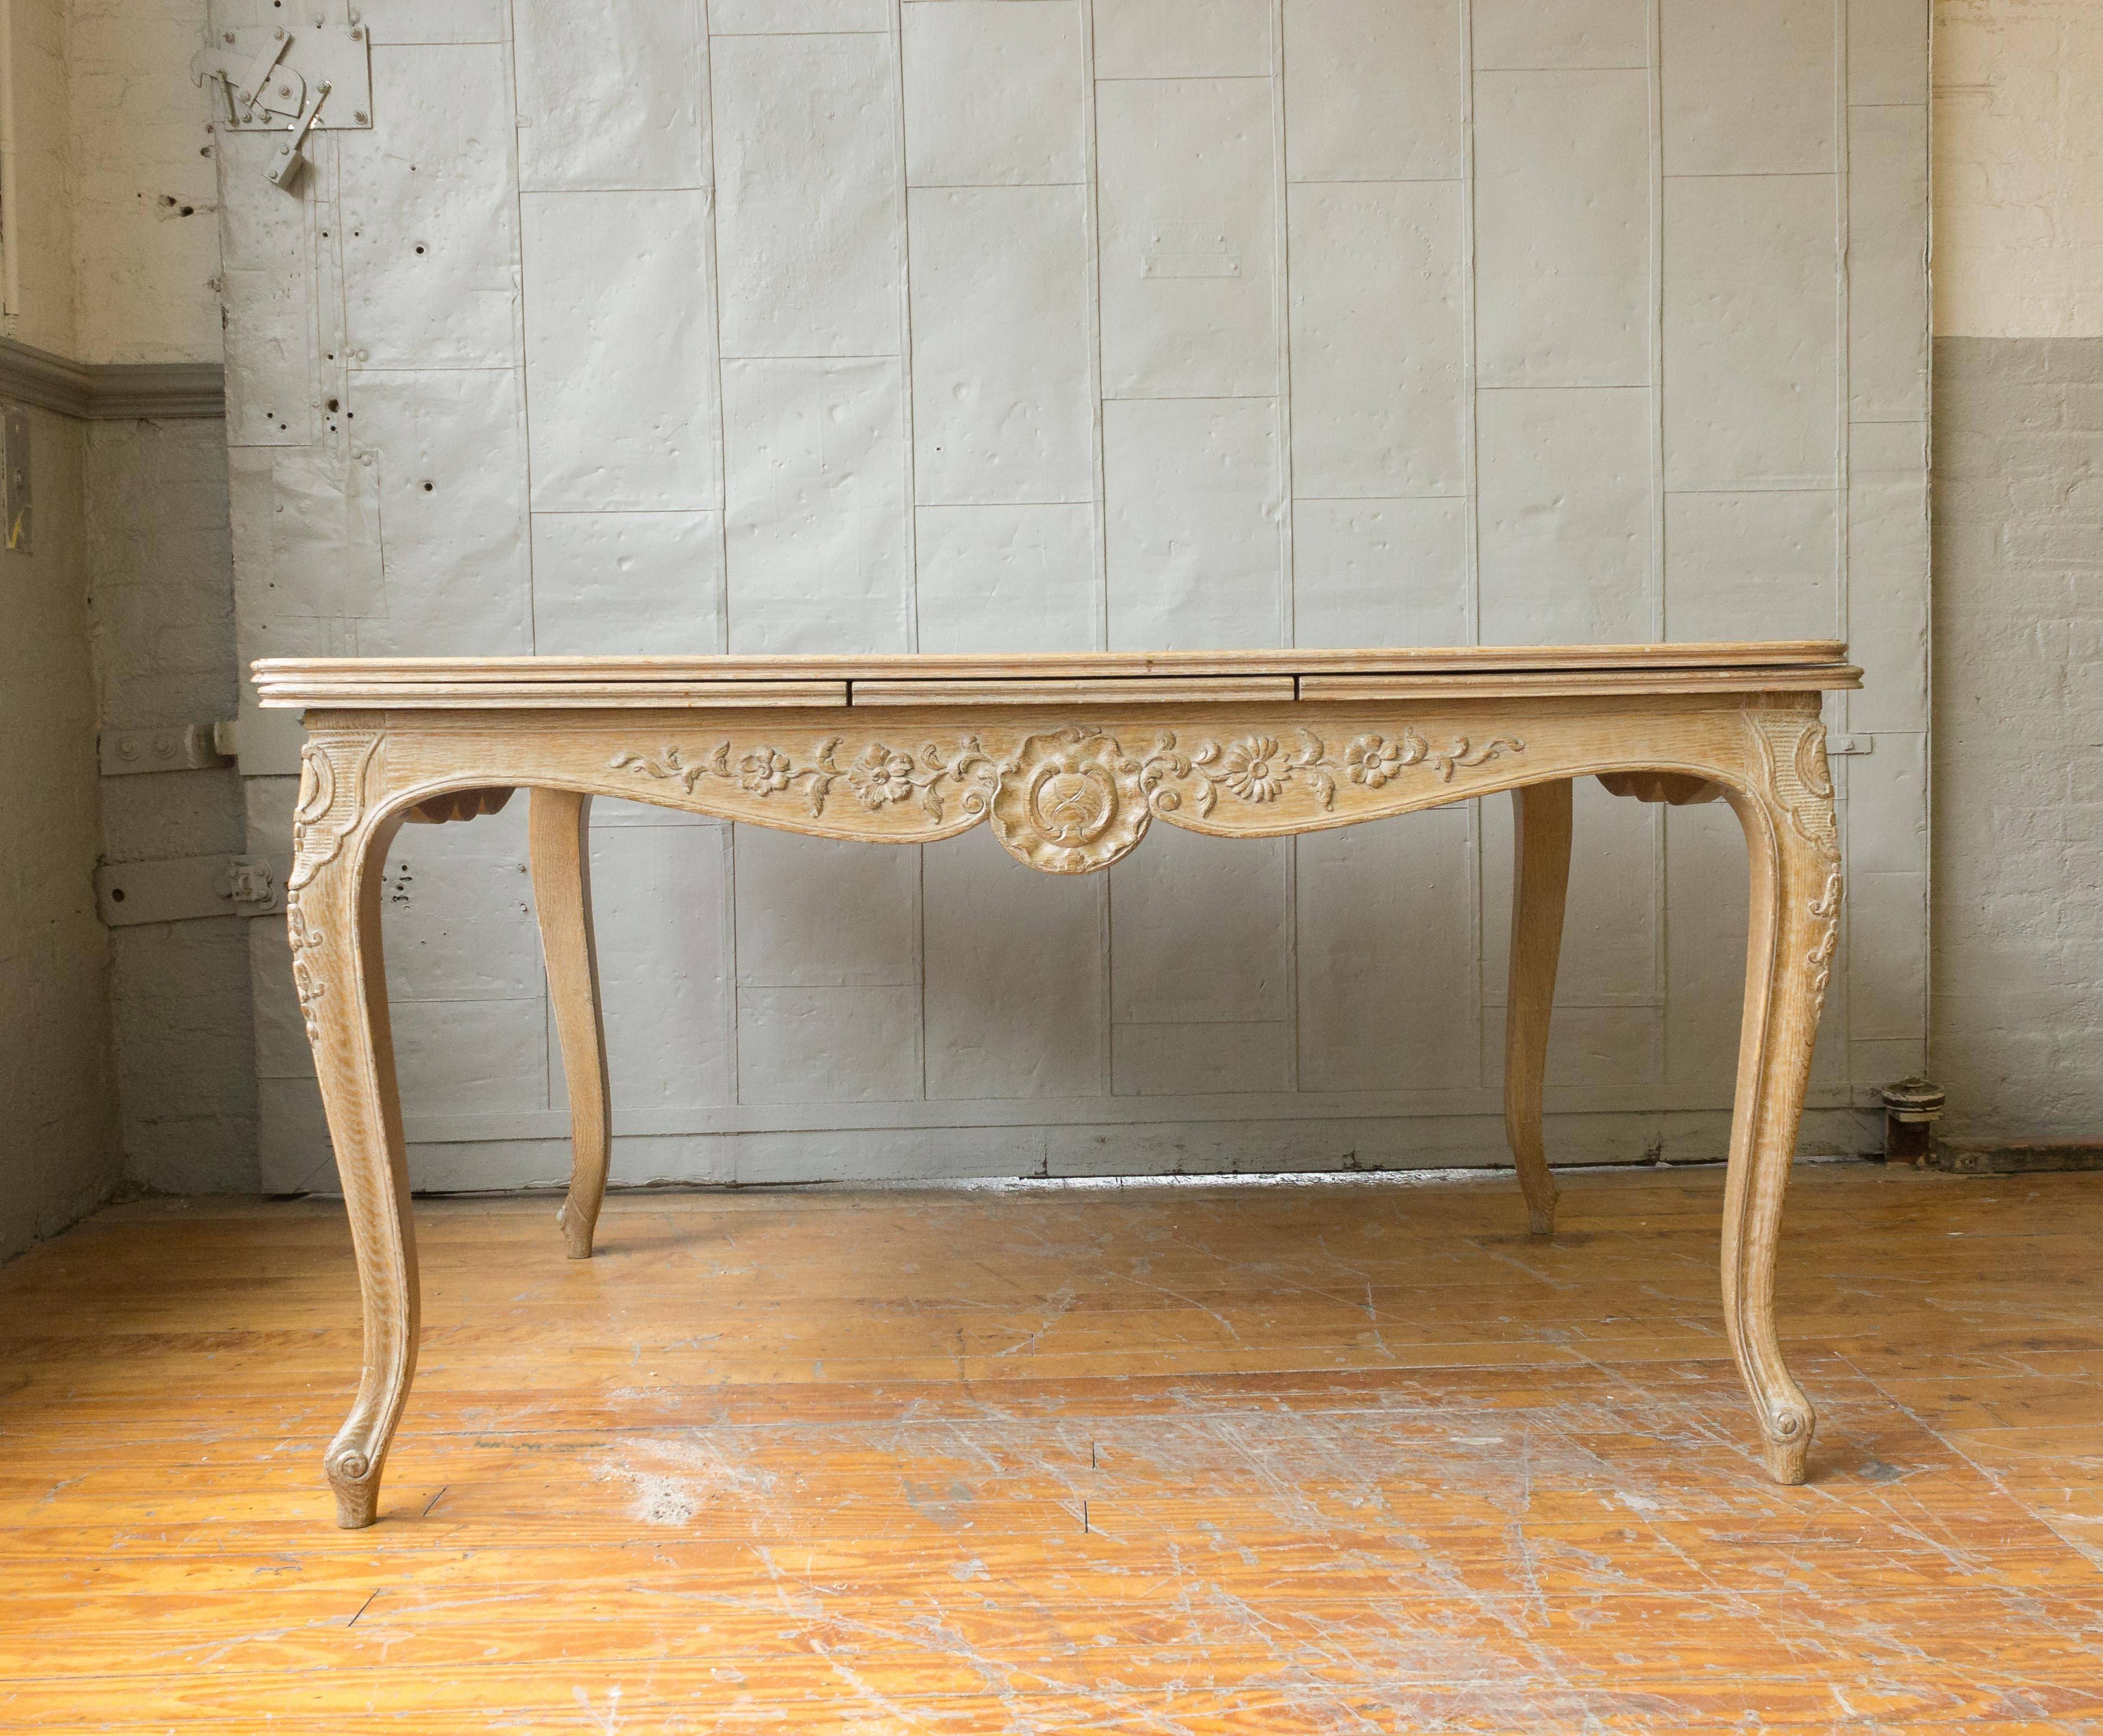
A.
x: 2019, y: 566
x: 879, y: 324
x: 2019, y: 722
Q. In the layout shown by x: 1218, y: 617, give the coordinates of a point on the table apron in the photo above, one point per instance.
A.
x: 1066, y: 789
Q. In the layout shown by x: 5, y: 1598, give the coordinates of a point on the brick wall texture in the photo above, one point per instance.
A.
x: 2017, y: 1023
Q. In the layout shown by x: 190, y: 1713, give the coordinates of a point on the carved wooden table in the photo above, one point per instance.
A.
x: 1070, y: 760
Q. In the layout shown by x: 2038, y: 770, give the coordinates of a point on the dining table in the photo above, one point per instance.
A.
x: 1070, y: 759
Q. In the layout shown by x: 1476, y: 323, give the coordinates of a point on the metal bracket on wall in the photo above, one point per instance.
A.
x: 15, y: 480
x: 276, y: 77
x: 262, y: 73
x: 290, y: 160
x: 195, y: 747
x: 184, y: 888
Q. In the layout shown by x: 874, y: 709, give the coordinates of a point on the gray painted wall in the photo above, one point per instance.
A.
x: 59, y: 1149
x: 2018, y: 1012
x: 840, y: 324
x: 162, y: 616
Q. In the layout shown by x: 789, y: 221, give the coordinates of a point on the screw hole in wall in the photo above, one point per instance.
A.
x: 427, y: 487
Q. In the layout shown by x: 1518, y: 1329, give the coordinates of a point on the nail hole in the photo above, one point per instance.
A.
x: 332, y: 403
x: 419, y: 247
x: 117, y: 894
x: 427, y: 488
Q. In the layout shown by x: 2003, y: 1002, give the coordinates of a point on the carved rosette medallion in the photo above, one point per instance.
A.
x: 1069, y: 802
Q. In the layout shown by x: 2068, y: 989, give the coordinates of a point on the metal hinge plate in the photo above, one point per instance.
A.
x: 186, y: 888
x: 266, y: 77
x: 191, y: 747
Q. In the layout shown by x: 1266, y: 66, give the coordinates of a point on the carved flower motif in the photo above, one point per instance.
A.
x: 764, y: 771
x: 1372, y: 760
x: 1252, y: 769
x: 880, y: 776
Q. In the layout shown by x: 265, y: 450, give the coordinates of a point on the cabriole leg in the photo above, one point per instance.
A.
x: 333, y: 908
x: 1795, y: 862
x: 560, y: 827
x: 1541, y: 879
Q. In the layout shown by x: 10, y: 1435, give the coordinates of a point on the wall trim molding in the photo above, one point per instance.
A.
x: 112, y: 391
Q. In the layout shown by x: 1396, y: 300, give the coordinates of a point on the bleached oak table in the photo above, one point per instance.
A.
x: 1070, y: 760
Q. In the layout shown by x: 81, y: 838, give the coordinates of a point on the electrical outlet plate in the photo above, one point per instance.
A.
x: 267, y: 78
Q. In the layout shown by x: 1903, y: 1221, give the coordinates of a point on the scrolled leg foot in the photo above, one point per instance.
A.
x: 355, y: 1480
x: 1787, y: 1447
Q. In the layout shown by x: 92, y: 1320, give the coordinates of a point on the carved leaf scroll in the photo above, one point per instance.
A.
x: 1800, y: 787
x: 331, y: 802
x: 1259, y: 768
x: 879, y: 776
x: 1070, y: 799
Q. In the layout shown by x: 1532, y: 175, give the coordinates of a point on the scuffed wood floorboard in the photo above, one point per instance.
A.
x: 1334, y: 1457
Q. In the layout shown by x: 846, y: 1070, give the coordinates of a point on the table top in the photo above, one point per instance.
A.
x: 926, y: 678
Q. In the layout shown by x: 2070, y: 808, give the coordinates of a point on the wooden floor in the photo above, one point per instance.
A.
x: 1352, y: 1456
